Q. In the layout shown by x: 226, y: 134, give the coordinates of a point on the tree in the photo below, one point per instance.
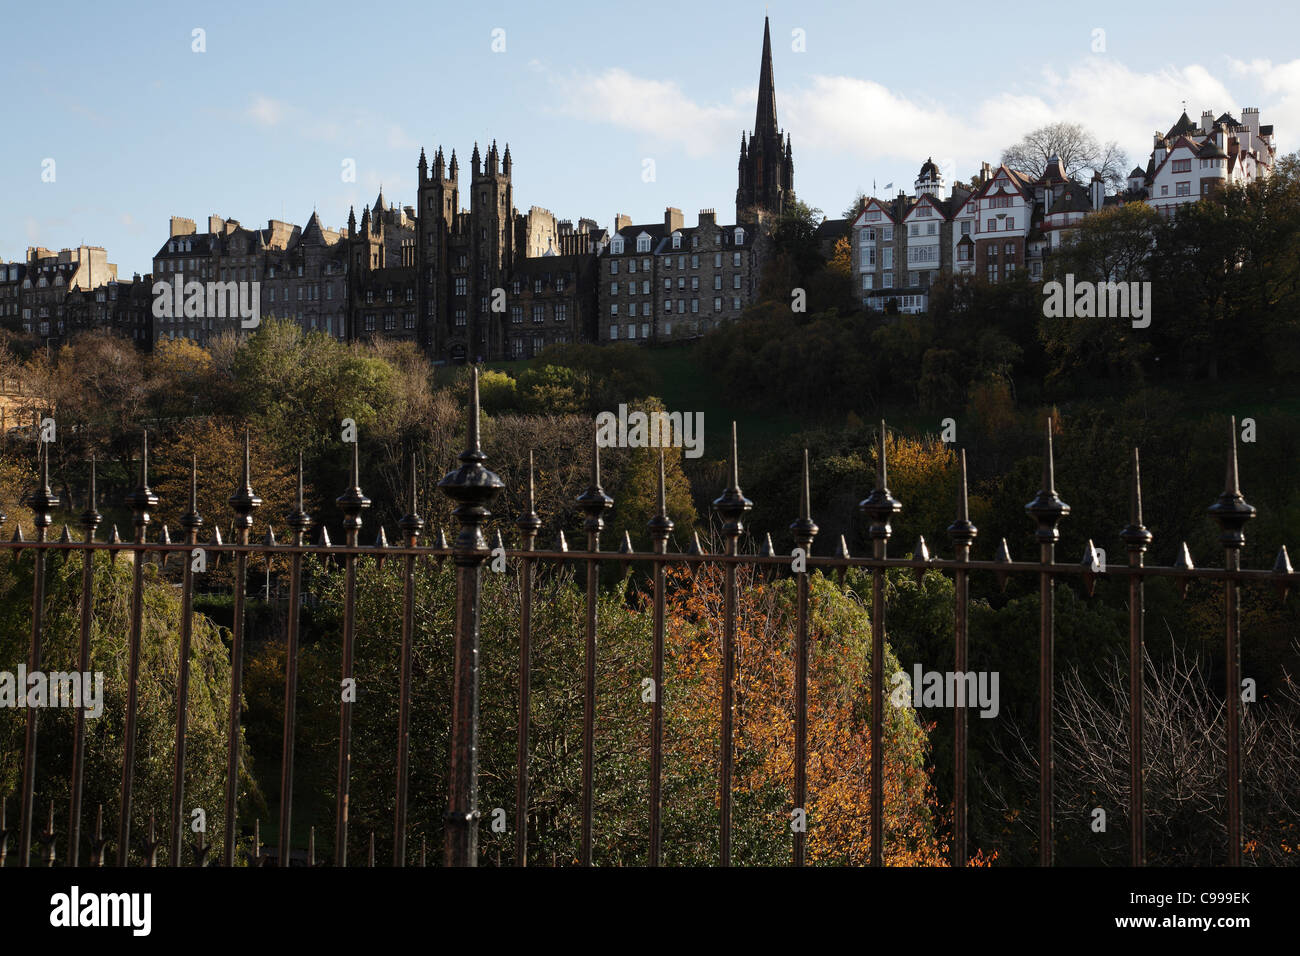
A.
x: 1077, y: 149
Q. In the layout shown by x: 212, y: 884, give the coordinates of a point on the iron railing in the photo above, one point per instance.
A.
x: 473, y: 487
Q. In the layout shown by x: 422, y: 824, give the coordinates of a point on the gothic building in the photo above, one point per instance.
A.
x: 766, y: 178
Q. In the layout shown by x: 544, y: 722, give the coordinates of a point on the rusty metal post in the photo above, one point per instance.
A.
x: 243, y: 502
x: 140, y: 501
x: 528, y: 524
x: 594, y: 503
x: 301, y: 523
x: 1046, y: 509
x: 473, y: 487
x: 1137, y: 539
x: 1232, y: 511
x: 660, y: 527
x: 191, y: 521
x: 42, y: 502
x: 880, y: 506
x: 804, y: 529
x: 411, y: 524
x: 963, y: 533
x: 90, y: 519
x: 732, y: 505
x: 352, y: 502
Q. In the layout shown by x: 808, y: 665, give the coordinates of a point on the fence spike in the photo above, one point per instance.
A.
x: 695, y: 548
x: 269, y: 539
x: 803, y: 528
x: 766, y: 550
x: 1091, y: 567
x: 880, y: 505
x: 311, y: 845
x: 841, y: 551
x: 921, y: 552
x: 1230, y: 509
x: 1184, y: 563
x: 18, y: 534
x: 166, y: 536
x: 216, y: 536
x: 1047, y: 508
x: 1282, y: 567
x: 1002, y: 557
x: 561, y: 543
x: 323, y: 539
x: 66, y: 537
x: 625, y: 547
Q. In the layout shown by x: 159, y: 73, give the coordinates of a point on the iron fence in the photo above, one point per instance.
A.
x: 472, y: 487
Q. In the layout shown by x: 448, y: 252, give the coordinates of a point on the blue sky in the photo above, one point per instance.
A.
x: 141, y: 127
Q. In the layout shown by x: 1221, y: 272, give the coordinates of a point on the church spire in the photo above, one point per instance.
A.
x: 765, y: 117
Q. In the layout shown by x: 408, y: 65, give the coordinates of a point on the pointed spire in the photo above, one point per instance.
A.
x: 803, y: 528
x: 472, y: 486
x: 765, y: 114
x: 661, y: 526
x: 1047, y: 508
x: 1135, y: 535
x: 1002, y: 557
x: 411, y: 524
x: 962, y: 531
x: 1282, y: 568
x: 1231, y: 510
x: 732, y: 503
x: 594, y: 502
x: 1184, y: 563
x: 90, y: 518
x: 920, y: 552
x: 880, y: 505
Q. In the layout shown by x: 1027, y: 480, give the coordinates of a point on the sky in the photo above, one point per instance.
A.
x: 114, y: 119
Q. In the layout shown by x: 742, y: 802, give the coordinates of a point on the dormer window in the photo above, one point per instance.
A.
x: 616, y: 246
x: 643, y: 243
x: 677, y: 240
x: 740, y: 236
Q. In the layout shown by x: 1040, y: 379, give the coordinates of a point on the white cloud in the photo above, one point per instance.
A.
x: 266, y: 111
x: 655, y: 108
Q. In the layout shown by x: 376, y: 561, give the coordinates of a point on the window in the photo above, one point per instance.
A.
x: 616, y: 247
x: 668, y: 262
x: 537, y: 286
x: 887, y: 234
x: 1164, y: 190
x: 613, y: 267
x: 873, y: 215
x: 931, y: 228
x: 668, y: 328
x: 559, y: 284
x: 717, y: 304
x: 869, y: 256
x: 561, y: 312
x: 645, y: 330
x: 735, y: 281
x: 645, y: 286
x: 695, y: 305
x: 887, y: 262
x: 1182, y: 165
x: 613, y: 288
x: 735, y: 259
x: 631, y: 265
x: 388, y: 295
x: 735, y: 303
x: 887, y: 281
x: 460, y: 318
x: 668, y: 284
x: 668, y: 305
x: 965, y: 228
x: 993, y: 225
x: 717, y: 280
x: 516, y: 314
x: 645, y: 264
x: 517, y: 347
x: 912, y: 229
x: 631, y: 331
x: 740, y: 236
x: 912, y: 279
x: 370, y: 295
x: 717, y: 260
x: 613, y: 309
x: 993, y: 272
x: 643, y: 243
x: 1183, y: 189
x: 390, y: 321
x: 539, y: 313
x: 370, y: 322
x: 695, y: 283
x: 460, y: 285
x: 867, y: 277
x: 677, y: 240
x: 695, y: 261
x: 613, y: 332
x: 1011, y: 222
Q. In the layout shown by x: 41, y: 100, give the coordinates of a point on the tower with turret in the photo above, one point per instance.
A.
x: 766, y: 169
